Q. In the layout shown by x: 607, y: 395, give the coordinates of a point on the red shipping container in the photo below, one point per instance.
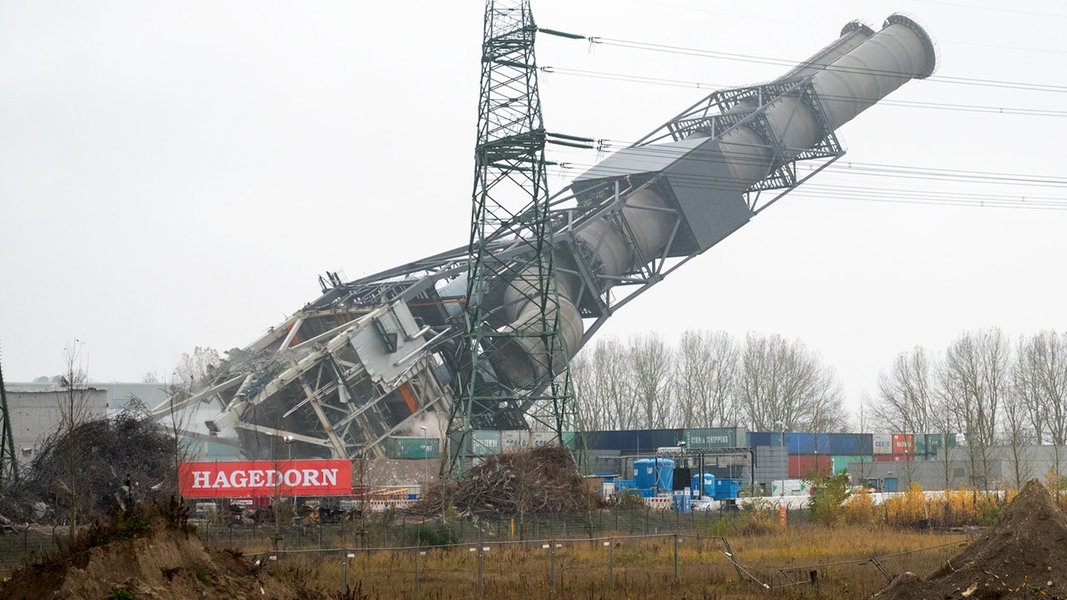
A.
x: 893, y: 458
x: 903, y: 443
x: 805, y: 465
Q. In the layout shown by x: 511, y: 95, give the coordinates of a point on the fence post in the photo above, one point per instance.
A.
x: 418, y: 549
x: 552, y: 564
x: 611, y: 562
x: 676, y: 556
x: 481, y: 563
x: 344, y: 571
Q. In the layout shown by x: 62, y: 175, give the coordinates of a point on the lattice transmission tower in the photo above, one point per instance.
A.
x: 513, y: 362
x: 9, y: 470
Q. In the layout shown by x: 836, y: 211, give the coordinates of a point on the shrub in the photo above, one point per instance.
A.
x: 758, y: 517
x: 828, y: 495
x: 436, y: 534
x: 907, y: 509
x: 860, y: 509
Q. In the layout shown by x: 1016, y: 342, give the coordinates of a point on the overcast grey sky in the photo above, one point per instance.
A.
x: 177, y: 174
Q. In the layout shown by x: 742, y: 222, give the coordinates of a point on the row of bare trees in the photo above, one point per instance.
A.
x: 994, y: 391
x: 765, y: 383
x: 984, y: 386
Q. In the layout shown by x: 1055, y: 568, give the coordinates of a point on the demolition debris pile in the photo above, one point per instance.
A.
x: 535, y: 481
x: 1024, y: 554
x: 85, y: 471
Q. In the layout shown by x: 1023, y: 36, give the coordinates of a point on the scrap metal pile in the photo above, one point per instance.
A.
x: 533, y: 481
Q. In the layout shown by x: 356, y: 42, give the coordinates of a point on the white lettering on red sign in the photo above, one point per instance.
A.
x: 204, y: 479
x: 261, y: 478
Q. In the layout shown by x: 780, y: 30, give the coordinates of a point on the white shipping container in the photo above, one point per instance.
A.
x: 543, y: 438
x: 883, y: 443
x: 789, y: 487
x: 512, y: 440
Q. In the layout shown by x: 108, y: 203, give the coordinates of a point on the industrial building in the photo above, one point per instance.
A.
x: 36, y: 411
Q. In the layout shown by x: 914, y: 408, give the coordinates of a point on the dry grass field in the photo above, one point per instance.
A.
x: 796, y: 562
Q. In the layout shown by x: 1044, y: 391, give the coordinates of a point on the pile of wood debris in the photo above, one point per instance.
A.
x: 533, y: 481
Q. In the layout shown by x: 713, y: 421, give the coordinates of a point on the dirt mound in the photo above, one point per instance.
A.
x: 168, y: 565
x: 1023, y: 555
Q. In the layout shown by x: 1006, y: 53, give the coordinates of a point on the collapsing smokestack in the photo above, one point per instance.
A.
x: 704, y: 177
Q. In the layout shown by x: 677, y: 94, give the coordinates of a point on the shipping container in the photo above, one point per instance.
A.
x: 485, y: 442
x: 893, y: 457
x: 903, y: 443
x: 805, y: 465
x: 570, y: 439
x: 850, y: 444
x: 714, y: 437
x: 807, y: 443
x: 936, y: 441
x: 882, y: 443
x: 412, y: 447
x: 663, y: 438
x: 512, y: 440
x: 540, y: 439
x: 790, y: 487
x: 919, y: 441
x: 846, y: 444
x: 765, y: 438
x: 840, y: 464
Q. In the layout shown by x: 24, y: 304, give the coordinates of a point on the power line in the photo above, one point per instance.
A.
x: 684, y: 51
x: 1036, y: 112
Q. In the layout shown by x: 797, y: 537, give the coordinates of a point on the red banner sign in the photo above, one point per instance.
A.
x: 264, y: 478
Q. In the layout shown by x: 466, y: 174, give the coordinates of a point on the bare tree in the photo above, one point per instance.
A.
x: 1041, y: 378
x: 974, y: 382
x: 704, y: 379
x: 1018, y: 435
x: 602, y: 380
x: 74, y: 410
x: 781, y: 385
x: 906, y: 399
x: 651, y: 363
x: 192, y: 367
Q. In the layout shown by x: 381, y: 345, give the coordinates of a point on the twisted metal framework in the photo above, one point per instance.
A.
x: 483, y: 333
x: 512, y: 305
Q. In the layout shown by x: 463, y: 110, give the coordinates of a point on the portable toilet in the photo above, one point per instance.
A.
x: 654, y: 472
x: 705, y: 489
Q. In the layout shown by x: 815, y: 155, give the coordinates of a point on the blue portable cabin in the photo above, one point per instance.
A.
x: 727, y: 488
x: 654, y: 473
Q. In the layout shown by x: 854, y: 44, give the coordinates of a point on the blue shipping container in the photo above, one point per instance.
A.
x: 765, y: 438
x: 846, y: 444
x: 800, y: 443
x: 661, y: 438
x: 807, y: 443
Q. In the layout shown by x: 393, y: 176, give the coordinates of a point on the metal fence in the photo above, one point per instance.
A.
x: 597, y: 562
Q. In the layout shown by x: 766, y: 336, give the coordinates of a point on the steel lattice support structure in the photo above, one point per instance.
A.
x: 9, y: 469
x: 482, y: 333
x: 512, y: 307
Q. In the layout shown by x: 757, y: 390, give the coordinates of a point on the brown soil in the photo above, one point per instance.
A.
x: 1023, y: 555
x: 168, y: 565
